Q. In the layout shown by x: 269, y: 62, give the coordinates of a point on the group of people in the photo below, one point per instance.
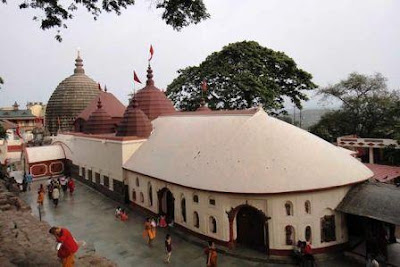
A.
x: 121, y: 214
x: 54, y: 185
x: 150, y: 232
x: 303, y: 254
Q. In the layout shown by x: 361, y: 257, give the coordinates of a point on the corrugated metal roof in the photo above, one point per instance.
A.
x: 373, y: 200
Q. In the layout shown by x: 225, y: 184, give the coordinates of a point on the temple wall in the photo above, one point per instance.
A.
x: 322, y: 203
x: 99, y: 157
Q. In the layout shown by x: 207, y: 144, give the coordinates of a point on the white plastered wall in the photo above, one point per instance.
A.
x: 98, y: 155
x: 322, y: 203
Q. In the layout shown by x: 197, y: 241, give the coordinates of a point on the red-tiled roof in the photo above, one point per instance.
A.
x: 110, y: 104
x: 384, y: 173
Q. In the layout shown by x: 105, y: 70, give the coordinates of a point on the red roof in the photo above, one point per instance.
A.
x: 135, y: 122
x: 152, y: 101
x: 99, y: 121
x: 110, y: 103
x: 384, y: 173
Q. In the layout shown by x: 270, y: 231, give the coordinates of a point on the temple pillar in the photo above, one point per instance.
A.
x: 371, y: 155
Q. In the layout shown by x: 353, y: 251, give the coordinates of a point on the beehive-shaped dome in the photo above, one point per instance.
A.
x: 134, y: 122
x: 99, y: 121
x: 71, y: 96
x: 152, y: 101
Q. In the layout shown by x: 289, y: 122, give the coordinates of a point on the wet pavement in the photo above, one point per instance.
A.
x: 89, y: 215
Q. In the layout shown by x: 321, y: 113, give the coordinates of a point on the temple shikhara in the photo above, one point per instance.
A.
x: 239, y: 177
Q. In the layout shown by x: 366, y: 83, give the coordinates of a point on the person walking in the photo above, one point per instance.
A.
x: 56, y: 196
x: 40, y: 195
x: 29, y: 179
x: 64, y: 183
x: 211, y: 253
x: 71, y: 186
x: 68, y: 245
x: 148, y: 232
x: 168, y: 248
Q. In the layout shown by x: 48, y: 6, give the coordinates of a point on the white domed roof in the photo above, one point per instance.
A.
x: 242, y: 154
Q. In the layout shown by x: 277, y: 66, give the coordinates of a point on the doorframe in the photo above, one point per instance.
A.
x: 232, y: 215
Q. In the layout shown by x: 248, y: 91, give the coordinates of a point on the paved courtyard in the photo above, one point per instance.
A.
x: 90, y: 217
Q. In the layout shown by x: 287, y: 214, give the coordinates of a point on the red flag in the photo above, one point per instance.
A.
x: 151, y: 52
x: 204, y: 85
x: 135, y: 77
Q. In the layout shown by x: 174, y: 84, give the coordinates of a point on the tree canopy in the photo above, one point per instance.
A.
x: 3, y: 133
x: 240, y: 76
x: 55, y: 13
x: 368, y: 109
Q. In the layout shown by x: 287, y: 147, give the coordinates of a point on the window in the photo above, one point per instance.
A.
x: 150, y: 194
x: 106, y: 181
x: 211, y: 201
x: 308, y: 233
x: 289, y: 232
x: 97, y: 175
x: 196, y: 221
x: 195, y: 198
x: 289, y: 208
x: 307, y: 207
x: 83, y: 173
x: 137, y: 181
x: 141, y: 197
x: 90, y: 175
x: 183, y: 208
x: 328, y: 228
x: 213, y: 225
x: 134, y: 195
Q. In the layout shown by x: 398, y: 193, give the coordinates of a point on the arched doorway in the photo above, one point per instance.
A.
x: 251, y: 228
x: 166, y: 204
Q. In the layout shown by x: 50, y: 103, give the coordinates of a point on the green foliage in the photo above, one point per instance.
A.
x: 391, y: 156
x: 176, y: 13
x: 240, y: 76
x: 3, y: 133
x: 182, y: 13
x: 368, y: 109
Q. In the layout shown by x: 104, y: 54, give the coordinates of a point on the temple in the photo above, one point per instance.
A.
x: 240, y: 177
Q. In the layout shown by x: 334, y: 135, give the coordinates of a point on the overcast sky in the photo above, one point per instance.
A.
x: 329, y: 39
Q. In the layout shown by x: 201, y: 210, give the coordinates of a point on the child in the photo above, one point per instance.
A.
x: 168, y: 248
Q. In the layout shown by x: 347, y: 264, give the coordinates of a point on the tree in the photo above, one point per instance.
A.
x: 3, y: 133
x: 242, y: 75
x: 1, y: 82
x: 368, y: 109
x: 176, y: 13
